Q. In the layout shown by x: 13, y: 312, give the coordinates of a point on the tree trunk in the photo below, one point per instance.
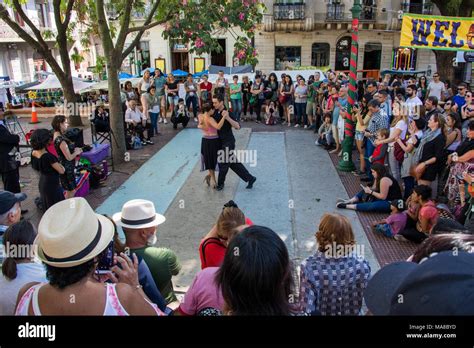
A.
x: 70, y: 101
x: 444, y: 63
x: 116, y: 115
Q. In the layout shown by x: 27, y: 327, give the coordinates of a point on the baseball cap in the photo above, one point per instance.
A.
x: 8, y: 200
x: 441, y: 285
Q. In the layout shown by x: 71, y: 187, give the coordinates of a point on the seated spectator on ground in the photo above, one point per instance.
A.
x: 214, y: 245
x: 139, y: 222
x: 10, y: 210
x: 255, y: 276
x: 377, y: 197
x: 71, y: 247
x: 424, y: 221
x: 455, y: 242
x: 442, y: 285
x: 101, y: 119
x: 138, y: 122
x: 204, y: 298
x: 180, y: 115
x: 395, y: 222
x: 19, y: 266
x: 332, y: 281
x: 325, y: 133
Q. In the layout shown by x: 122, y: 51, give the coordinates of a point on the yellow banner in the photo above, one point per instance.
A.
x: 437, y: 32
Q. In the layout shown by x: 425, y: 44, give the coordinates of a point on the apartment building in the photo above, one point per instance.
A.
x: 298, y: 33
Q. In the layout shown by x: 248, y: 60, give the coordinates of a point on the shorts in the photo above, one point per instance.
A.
x: 359, y: 135
x: 173, y: 100
x: 384, y: 229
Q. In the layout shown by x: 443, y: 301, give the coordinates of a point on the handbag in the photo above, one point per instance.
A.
x: 398, y: 151
x: 253, y: 100
x: 283, y: 99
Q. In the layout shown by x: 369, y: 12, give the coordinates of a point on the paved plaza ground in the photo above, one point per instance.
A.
x: 297, y: 183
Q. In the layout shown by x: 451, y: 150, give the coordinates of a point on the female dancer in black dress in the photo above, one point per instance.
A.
x: 48, y: 166
x: 67, y: 154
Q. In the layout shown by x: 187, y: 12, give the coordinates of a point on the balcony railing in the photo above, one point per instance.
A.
x: 426, y: 8
x: 368, y: 13
x: 289, y: 11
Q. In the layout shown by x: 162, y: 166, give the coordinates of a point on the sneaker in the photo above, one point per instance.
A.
x: 305, y: 127
x: 195, y: 119
x: 340, y: 200
x: 297, y: 125
x: 143, y: 143
x: 341, y: 205
x: 165, y: 121
x: 149, y: 142
x: 257, y: 121
x: 400, y: 238
x: 160, y: 120
x: 333, y: 151
x: 316, y: 143
x: 219, y: 187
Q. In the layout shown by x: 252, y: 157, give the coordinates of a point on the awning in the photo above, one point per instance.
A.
x: 52, y: 82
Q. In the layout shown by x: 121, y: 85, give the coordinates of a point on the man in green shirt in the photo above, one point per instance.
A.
x: 139, y: 222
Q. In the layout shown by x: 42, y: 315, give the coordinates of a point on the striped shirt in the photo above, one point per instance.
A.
x: 333, y: 286
x: 379, y: 120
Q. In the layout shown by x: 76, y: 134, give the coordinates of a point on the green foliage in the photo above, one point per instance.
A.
x: 77, y: 58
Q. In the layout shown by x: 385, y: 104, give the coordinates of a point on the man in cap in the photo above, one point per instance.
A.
x: 139, y: 222
x: 9, y: 162
x: 10, y: 211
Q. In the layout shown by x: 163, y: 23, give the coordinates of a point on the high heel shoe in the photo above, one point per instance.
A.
x: 207, y: 180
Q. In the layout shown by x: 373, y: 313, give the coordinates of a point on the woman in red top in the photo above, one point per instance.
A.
x: 214, y: 245
x: 205, y: 89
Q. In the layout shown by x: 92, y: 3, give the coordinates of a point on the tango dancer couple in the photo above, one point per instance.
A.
x: 218, y: 139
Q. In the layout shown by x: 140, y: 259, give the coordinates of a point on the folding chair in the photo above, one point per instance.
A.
x: 101, y: 137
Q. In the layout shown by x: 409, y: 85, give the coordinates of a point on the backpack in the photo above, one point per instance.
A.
x: 136, y: 142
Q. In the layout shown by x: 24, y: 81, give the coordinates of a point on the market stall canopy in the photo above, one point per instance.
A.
x: 230, y: 70
x: 24, y: 86
x: 52, y: 82
x: 124, y: 75
x: 403, y: 72
x: 104, y: 85
x: 213, y: 77
x: 179, y: 73
x: 198, y: 75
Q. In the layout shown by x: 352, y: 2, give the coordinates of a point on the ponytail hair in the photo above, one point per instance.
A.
x: 19, y: 234
x: 230, y: 218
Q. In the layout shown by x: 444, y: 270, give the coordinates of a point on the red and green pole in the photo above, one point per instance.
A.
x: 346, y: 164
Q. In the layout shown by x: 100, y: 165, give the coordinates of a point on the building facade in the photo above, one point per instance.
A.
x: 317, y: 33
x: 20, y: 62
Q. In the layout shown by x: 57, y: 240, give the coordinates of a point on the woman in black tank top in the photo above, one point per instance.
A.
x: 378, y: 196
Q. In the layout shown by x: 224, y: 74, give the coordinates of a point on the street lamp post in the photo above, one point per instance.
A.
x: 346, y: 164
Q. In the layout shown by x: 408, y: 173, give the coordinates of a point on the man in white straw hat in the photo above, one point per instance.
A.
x: 139, y: 222
x: 71, y: 240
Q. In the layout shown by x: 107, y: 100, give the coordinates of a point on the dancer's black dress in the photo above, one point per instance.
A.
x: 210, y: 145
x: 68, y: 179
x: 49, y: 187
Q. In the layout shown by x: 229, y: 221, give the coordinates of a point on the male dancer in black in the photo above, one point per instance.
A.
x: 228, y: 145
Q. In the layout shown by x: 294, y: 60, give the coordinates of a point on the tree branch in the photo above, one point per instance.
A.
x: 124, y: 27
x: 70, y: 5
x: 146, y: 27
x: 27, y: 20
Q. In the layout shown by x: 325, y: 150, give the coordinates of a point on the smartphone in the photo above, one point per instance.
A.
x: 106, y: 261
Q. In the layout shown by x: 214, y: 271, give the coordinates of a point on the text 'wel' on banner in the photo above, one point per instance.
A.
x: 437, y: 32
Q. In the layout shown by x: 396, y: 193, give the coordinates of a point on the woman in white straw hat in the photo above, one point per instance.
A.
x: 71, y: 240
x: 139, y: 222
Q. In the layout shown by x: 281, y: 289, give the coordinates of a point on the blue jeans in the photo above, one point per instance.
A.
x: 194, y: 101
x: 301, y: 113
x: 409, y: 183
x: 369, y: 150
x: 236, y: 109
x: 154, y: 122
x: 377, y: 205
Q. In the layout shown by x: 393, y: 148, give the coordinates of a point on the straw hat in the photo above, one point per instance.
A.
x: 138, y: 213
x: 70, y: 233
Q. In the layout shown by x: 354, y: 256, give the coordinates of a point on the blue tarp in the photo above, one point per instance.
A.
x: 124, y: 75
x: 151, y: 70
x: 198, y: 75
x: 179, y: 73
x: 242, y: 69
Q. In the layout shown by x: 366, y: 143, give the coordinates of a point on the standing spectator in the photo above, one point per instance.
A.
x: 205, y: 90
x: 460, y: 98
x: 257, y: 97
x: 160, y: 82
x: 151, y: 109
x: 385, y: 104
x: 18, y: 269
x: 449, y: 90
x: 139, y: 222
x: 301, y: 97
x: 413, y: 103
x: 172, y: 90
x: 426, y: 219
x: 9, y: 161
x: 467, y: 112
x: 257, y: 280
x: 429, y: 153
x: 49, y: 167
x: 236, y: 98
x: 415, y: 129
x: 333, y: 280
x: 272, y: 88
x: 311, y: 102
x: 137, y: 122
x: 339, y: 114
x: 214, y: 245
x: 221, y: 87
x: 246, y: 88
x: 145, y: 82
x: 431, y: 108
x: 67, y: 153
x: 329, y: 107
x: 71, y: 249
x: 191, y: 98
x: 372, y: 88
x: 378, y: 121
x: 362, y: 115
x: 436, y: 88
x: 453, y: 132
x: 422, y: 88
x: 398, y: 129
x: 287, y: 91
